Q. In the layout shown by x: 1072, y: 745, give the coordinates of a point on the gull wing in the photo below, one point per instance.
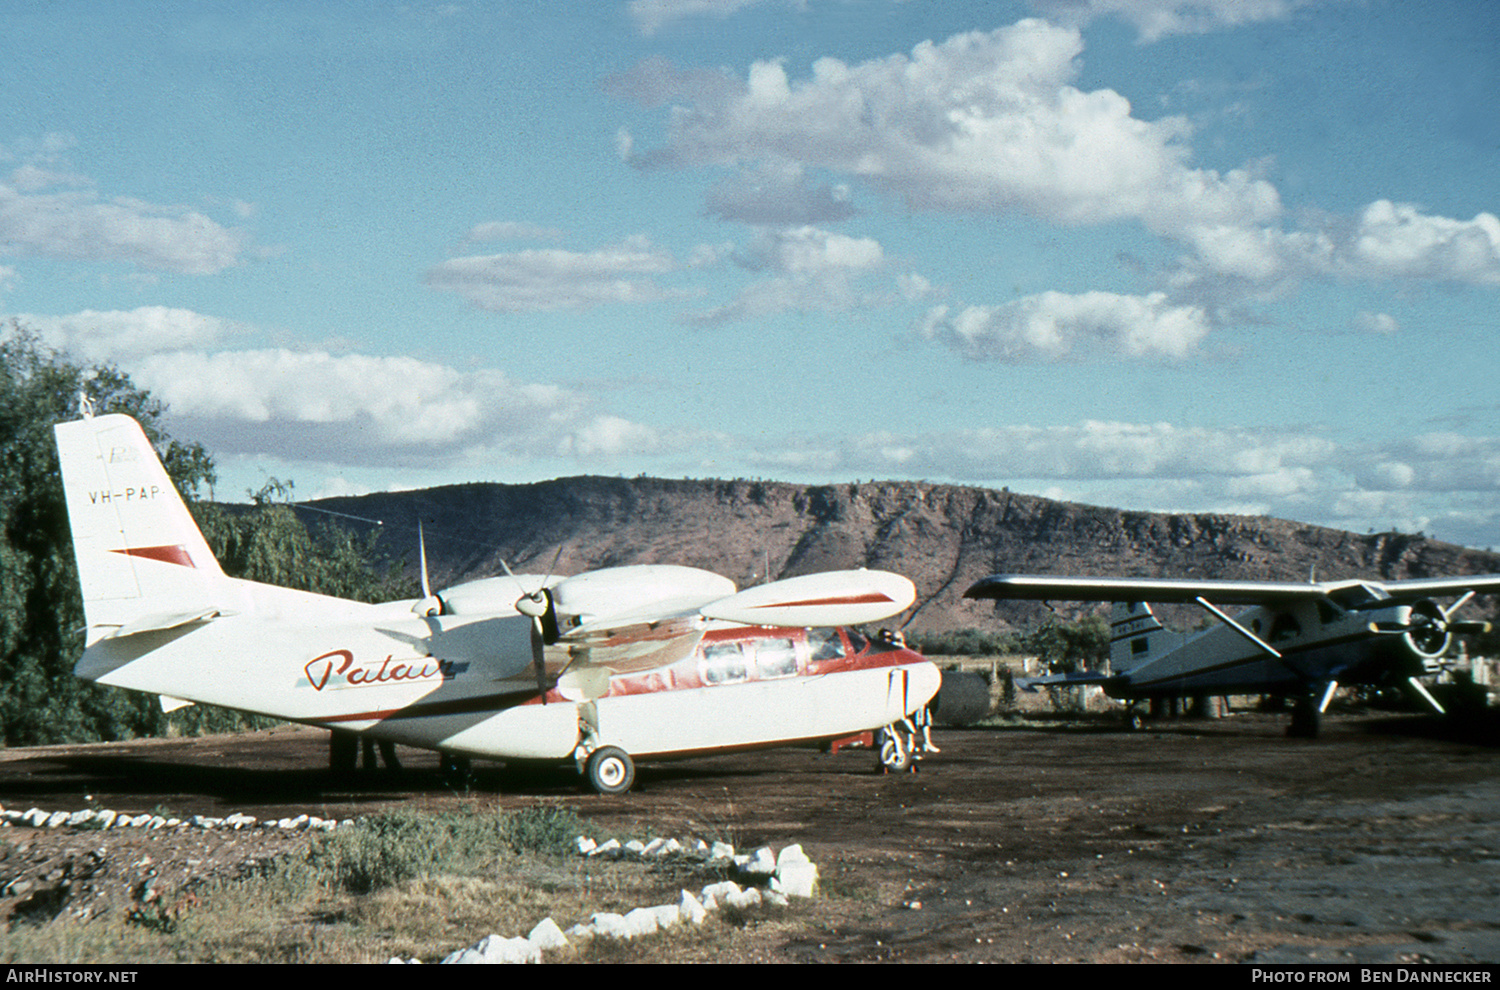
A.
x: 647, y: 638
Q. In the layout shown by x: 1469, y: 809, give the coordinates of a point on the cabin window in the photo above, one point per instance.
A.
x: 824, y: 644
x: 1139, y: 646
x: 775, y: 658
x: 1284, y: 627
x: 724, y: 663
x: 856, y: 642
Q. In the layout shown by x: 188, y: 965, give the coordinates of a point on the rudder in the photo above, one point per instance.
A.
x: 140, y: 554
x: 1136, y: 636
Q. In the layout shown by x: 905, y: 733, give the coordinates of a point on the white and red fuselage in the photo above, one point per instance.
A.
x: 655, y: 660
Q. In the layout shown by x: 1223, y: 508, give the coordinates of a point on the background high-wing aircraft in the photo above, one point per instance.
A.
x: 649, y: 660
x: 1299, y: 640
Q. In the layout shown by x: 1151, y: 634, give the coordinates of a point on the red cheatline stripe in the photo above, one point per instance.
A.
x: 868, y: 598
x: 168, y: 555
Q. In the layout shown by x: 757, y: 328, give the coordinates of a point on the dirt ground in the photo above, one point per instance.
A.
x: 1195, y: 841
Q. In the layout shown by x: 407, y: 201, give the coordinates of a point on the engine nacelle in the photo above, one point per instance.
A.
x: 625, y: 591
x: 1427, y: 633
x: 492, y: 596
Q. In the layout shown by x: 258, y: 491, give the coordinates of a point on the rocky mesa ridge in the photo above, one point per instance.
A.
x: 943, y: 537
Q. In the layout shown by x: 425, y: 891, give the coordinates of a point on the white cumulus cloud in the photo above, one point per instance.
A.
x: 81, y: 226
x: 1054, y: 326
x: 554, y: 279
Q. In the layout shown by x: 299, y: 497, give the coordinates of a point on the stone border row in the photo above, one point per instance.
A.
x: 786, y: 874
x: 105, y: 819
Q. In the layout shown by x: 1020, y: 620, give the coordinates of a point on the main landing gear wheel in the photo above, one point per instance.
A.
x: 610, y: 770
x: 895, y: 754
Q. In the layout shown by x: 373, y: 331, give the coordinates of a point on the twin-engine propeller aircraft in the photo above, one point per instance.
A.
x: 602, y: 668
x: 1299, y: 640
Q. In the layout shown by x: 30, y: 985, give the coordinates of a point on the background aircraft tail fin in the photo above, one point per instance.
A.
x: 1136, y: 636
x: 140, y: 553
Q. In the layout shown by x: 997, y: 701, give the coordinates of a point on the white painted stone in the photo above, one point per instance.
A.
x: 585, y: 845
x: 80, y: 817
x: 636, y: 846
x: 721, y: 850
x: 507, y: 951
x: 717, y: 892
x: 653, y: 848
x: 608, y: 925
x: 639, y: 922
x: 57, y: 818
x: 546, y: 935
x: 105, y: 818
x: 691, y: 909
x: 666, y: 915
x: 463, y: 957
x: 761, y: 862
x: 797, y: 879
x: 747, y: 898
x: 611, y: 848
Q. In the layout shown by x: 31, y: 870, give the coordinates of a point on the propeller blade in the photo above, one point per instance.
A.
x: 1448, y: 612
x: 422, y: 551
x: 429, y: 604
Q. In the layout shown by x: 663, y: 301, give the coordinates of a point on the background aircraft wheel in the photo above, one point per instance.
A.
x: 1134, y: 721
x: 610, y: 770
x: 1305, y: 718
x: 895, y: 755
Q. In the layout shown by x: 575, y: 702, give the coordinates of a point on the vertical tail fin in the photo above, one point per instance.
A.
x: 142, y: 561
x: 1135, y: 636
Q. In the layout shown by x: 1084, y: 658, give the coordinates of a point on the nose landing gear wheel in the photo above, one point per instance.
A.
x: 895, y: 754
x: 610, y: 770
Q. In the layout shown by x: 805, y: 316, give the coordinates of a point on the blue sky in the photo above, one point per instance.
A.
x: 1219, y: 255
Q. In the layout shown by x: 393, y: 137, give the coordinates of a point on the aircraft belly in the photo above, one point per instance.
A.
x: 758, y: 713
x: 523, y: 732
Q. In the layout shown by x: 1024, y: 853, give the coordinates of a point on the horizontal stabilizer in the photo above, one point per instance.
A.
x: 159, y: 621
x: 1030, y: 684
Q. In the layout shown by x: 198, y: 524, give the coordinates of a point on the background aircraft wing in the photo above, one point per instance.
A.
x: 1041, y: 587
x: 1480, y: 584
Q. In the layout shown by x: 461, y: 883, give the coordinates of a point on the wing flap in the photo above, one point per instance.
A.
x: 625, y: 649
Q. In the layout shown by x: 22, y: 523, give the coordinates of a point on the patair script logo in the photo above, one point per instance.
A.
x: 338, y: 669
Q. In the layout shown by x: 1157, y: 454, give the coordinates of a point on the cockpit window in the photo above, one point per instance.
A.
x: 1285, y: 627
x: 857, y: 643
x: 824, y: 644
